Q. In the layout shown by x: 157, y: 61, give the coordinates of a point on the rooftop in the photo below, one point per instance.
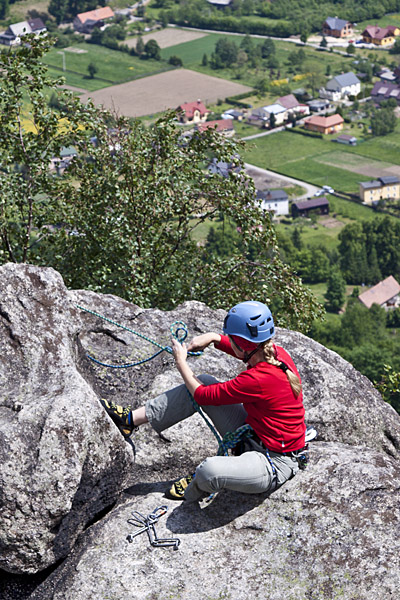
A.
x: 381, y: 292
x: 335, y: 23
x: 96, y: 15
x: 345, y: 79
x: 272, y: 195
x: 325, y: 121
x: 313, y: 203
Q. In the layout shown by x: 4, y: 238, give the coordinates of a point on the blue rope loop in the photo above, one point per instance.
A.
x: 178, y: 330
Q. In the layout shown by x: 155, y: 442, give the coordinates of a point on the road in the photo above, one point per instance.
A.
x: 252, y: 170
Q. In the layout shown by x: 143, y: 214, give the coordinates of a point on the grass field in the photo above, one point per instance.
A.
x: 192, y: 54
x: 321, y: 162
x: 113, y: 66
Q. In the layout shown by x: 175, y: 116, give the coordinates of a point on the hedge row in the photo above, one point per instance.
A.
x: 313, y: 134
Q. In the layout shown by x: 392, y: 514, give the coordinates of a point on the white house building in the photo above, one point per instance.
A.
x: 341, y: 86
x: 13, y: 35
x: 275, y: 201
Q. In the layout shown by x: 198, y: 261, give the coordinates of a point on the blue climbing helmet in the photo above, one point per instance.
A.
x: 251, y: 321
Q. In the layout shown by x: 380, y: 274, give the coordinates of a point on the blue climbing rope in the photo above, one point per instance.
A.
x: 178, y: 330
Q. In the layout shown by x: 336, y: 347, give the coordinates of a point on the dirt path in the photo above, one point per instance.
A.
x: 265, y: 179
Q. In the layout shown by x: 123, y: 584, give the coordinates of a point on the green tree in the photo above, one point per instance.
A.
x: 4, y: 9
x: 30, y: 198
x: 296, y: 238
x: 152, y: 50
x: 59, y: 10
x: 225, y: 54
x: 383, y: 121
x: 139, y: 46
x: 335, y: 292
x: 316, y: 78
x: 323, y: 43
x: 351, y: 49
x: 272, y: 120
x: 389, y: 386
x: 204, y: 61
x: 395, y: 49
x: 125, y: 220
x: 267, y: 48
x: 175, y: 60
x: 92, y: 69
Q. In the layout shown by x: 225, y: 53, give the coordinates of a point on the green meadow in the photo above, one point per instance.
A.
x: 321, y: 161
x: 113, y: 66
x: 191, y: 54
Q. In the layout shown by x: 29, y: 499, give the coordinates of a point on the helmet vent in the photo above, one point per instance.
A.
x: 255, y: 318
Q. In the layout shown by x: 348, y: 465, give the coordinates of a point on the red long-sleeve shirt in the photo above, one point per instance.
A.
x: 273, y: 411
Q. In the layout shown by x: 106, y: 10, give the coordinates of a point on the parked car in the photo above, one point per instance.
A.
x: 328, y: 188
x: 319, y: 193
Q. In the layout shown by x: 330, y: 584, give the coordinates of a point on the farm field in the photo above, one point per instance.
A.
x: 319, y: 161
x: 113, y: 66
x: 167, y: 37
x: 161, y: 92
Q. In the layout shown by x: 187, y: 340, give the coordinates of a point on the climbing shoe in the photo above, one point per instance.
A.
x: 177, y: 490
x: 121, y: 417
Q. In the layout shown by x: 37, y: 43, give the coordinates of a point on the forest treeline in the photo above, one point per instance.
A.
x: 281, y: 19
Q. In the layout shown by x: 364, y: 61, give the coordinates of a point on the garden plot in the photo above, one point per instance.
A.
x: 167, y: 37
x: 154, y: 94
x: 358, y: 164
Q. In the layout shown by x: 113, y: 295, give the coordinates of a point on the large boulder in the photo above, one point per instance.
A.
x: 331, y: 532
x: 57, y: 448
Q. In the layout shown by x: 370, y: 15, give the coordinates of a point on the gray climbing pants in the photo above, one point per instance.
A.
x: 250, y: 473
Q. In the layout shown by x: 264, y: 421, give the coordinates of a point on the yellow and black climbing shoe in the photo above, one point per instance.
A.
x: 177, y: 490
x: 121, y: 417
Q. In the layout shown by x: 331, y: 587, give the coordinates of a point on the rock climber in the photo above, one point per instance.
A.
x: 264, y: 402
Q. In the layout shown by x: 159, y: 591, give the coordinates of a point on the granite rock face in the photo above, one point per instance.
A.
x: 57, y: 448
x: 331, y: 532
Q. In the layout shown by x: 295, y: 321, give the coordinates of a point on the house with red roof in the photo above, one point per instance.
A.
x: 192, y: 112
x: 325, y: 125
x: 380, y: 36
x: 292, y: 105
x: 224, y: 126
x: 386, y: 294
x: 87, y: 21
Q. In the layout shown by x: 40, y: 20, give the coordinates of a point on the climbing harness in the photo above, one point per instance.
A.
x: 178, y: 330
x: 148, y: 524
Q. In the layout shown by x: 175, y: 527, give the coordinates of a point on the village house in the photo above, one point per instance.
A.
x: 275, y: 201
x: 383, y: 188
x: 305, y: 207
x: 293, y: 106
x: 62, y: 162
x: 385, y: 294
x: 338, y: 28
x: 223, y: 126
x: 341, y: 86
x: 192, y: 112
x: 380, y: 36
x: 385, y: 90
x: 325, y: 125
x: 12, y: 36
x: 87, y: 21
x: 386, y: 75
